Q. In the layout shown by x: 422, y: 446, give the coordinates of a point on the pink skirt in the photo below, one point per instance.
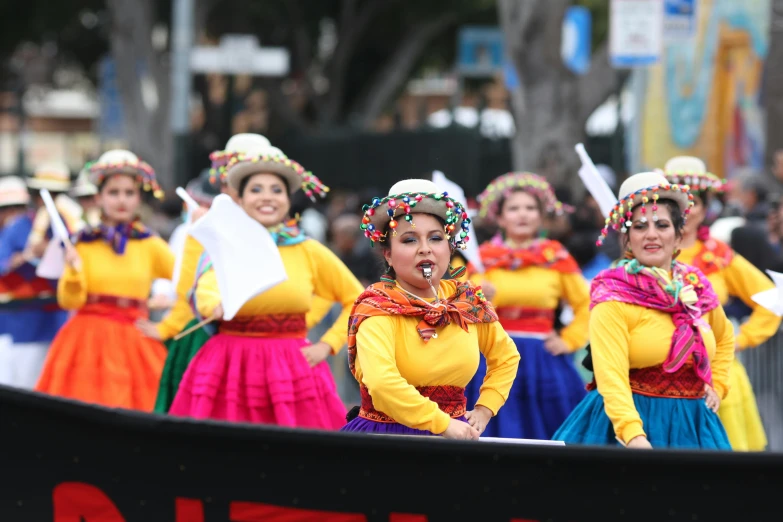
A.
x: 259, y: 380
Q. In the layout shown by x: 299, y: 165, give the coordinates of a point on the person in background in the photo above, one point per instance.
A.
x: 731, y: 275
x: 84, y: 193
x: 662, y: 347
x: 355, y: 254
x: 101, y: 356
x: 35, y: 316
x: 260, y: 367
x: 414, y: 338
x: 526, y: 278
x: 55, y: 178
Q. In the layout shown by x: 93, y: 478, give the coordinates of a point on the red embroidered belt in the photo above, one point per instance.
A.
x: 117, y: 301
x: 654, y: 382
x: 522, y: 319
x: 450, y: 399
x: 274, y: 325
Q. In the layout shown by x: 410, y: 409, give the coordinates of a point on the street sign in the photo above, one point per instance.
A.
x: 240, y: 54
x: 679, y: 20
x: 480, y: 51
x: 577, y: 39
x: 635, y: 32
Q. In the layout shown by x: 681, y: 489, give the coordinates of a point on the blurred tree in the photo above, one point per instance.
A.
x: 552, y: 104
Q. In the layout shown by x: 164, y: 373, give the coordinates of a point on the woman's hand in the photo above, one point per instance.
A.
x: 218, y: 313
x: 639, y: 442
x: 555, y: 345
x: 148, y: 329
x: 316, y: 353
x: 459, y: 430
x: 488, y: 289
x: 711, y: 398
x: 72, y: 258
x: 479, y: 417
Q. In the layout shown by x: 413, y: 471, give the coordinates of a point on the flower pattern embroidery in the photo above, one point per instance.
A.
x: 549, y: 254
x: 693, y: 279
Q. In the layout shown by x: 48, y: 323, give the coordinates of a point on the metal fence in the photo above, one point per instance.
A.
x: 764, y: 365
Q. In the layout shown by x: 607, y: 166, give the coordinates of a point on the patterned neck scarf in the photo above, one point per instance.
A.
x: 686, y: 295
x: 465, y: 306
x: 546, y: 253
x: 117, y: 236
x: 287, y: 233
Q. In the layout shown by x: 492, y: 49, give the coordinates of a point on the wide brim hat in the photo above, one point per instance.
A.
x: 203, y: 189
x: 82, y: 187
x: 55, y: 177
x: 645, y: 188
x: 238, y: 143
x: 533, y: 184
x: 125, y: 162
x: 415, y: 196
x: 13, y: 192
x: 271, y: 160
x: 691, y: 171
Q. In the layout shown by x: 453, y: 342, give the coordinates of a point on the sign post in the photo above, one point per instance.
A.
x: 635, y: 32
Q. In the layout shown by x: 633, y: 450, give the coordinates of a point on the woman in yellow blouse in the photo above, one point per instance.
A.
x: 259, y: 367
x: 100, y: 355
x: 731, y: 275
x: 181, y: 318
x: 414, y: 338
x: 526, y: 277
x: 661, y: 344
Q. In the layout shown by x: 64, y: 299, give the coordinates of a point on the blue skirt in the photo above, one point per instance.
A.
x: 545, y: 391
x: 668, y: 423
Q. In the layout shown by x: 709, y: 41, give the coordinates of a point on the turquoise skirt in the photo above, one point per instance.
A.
x: 668, y: 423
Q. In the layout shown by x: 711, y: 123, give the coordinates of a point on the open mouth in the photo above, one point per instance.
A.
x: 652, y: 248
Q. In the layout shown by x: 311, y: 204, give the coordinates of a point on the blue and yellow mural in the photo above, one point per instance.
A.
x: 703, y: 99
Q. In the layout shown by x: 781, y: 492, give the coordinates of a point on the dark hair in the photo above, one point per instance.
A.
x: 386, y: 247
x: 677, y: 219
x: 246, y: 180
x: 504, y: 198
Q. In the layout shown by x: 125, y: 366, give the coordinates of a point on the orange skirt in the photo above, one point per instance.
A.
x: 100, y: 357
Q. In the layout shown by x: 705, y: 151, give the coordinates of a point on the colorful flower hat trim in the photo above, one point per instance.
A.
x: 534, y: 184
x: 310, y: 183
x: 620, y: 218
x: 220, y: 160
x: 696, y: 180
x: 144, y: 173
x: 403, y: 205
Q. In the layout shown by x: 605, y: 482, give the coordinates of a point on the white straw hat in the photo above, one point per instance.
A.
x: 51, y: 176
x: 13, y: 192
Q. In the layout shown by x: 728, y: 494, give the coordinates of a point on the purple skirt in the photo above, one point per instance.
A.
x: 362, y: 425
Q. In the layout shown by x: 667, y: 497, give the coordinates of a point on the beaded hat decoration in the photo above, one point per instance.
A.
x: 272, y: 160
x: 692, y: 171
x: 646, y: 189
x: 125, y: 162
x: 244, y: 142
x: 415, y: 196
x: 531, y: 183
x: 82, y: 186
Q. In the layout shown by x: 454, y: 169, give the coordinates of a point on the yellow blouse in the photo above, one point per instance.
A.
x: 181, y: 314
x: 625, y: 336
x: 741, y: 279
x: 105, y: 272
x: 312, y: 270
x: 392, y: 360
x: 538, y: 287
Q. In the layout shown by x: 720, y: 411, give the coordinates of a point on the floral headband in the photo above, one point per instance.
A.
x: 143, y: 172
x: 531, y: 183
x: 391, y: 208
x: 620, y: 218
x: 290, y: 169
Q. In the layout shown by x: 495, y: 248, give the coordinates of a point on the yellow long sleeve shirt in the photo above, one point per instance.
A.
x: 312, y: 270
x: 538, y: 287
x: 739, y: 278
x: 392, y: 361
x: 181, y: 314
x: 625, y: 336
x: 105, y: 272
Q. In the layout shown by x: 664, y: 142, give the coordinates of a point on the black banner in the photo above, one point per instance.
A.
x: 66, y: 462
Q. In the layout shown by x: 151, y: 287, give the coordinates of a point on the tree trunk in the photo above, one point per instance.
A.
x: 773, y: 82
x: 551, y: 104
